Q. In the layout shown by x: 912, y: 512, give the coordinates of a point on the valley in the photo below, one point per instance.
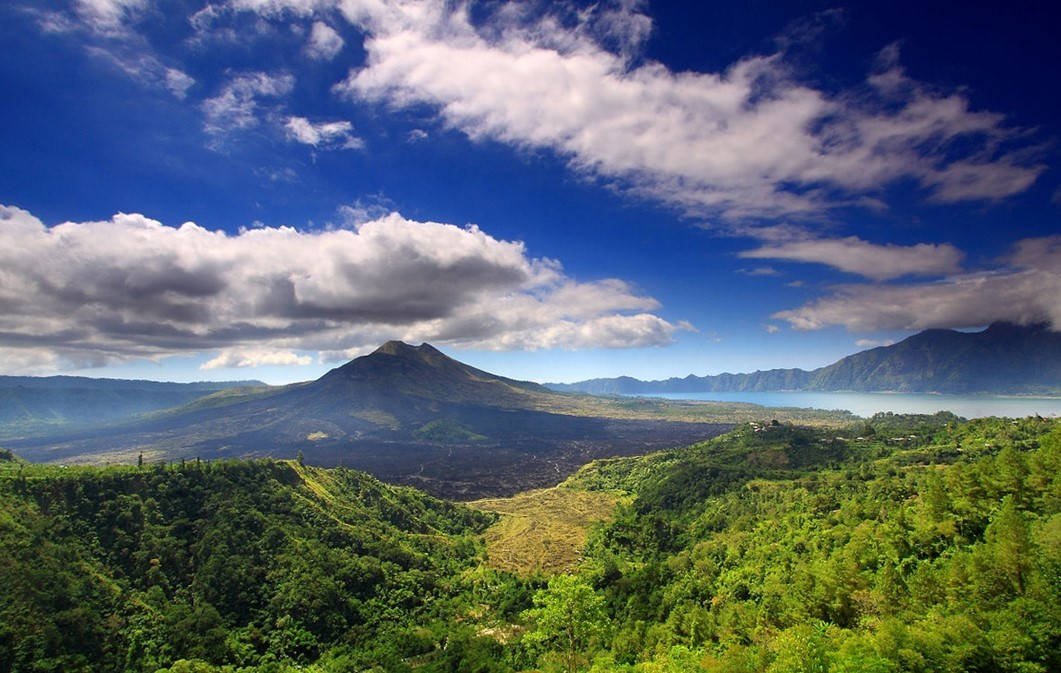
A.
x: 409, y: 415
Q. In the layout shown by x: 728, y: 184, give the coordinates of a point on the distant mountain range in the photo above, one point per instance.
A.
x: 33, y: 402
x: 1003, y: 359
x: 407, y: 414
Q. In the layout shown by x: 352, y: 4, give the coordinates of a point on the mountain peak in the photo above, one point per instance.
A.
x: 424, y: 351
x: 395, y: 347
x: 1008, y: 328
x: 423, y: 372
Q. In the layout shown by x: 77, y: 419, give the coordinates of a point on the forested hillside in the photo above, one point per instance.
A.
x: 264, y: 564
x: 905, y: 543
x: 909, y: 544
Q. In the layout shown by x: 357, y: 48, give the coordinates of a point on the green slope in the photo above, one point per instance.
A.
x: 238, y: 563
x: 905, y: 543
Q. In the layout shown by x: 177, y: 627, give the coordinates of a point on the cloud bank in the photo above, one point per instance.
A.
x: 752, y: 141
x: 92, y: 292
x: 854, y: 255
x: 1025, y: 289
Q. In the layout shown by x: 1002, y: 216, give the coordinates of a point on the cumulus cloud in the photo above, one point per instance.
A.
x: 255, y: 357
x: 751, y: 141
x: 134, y: 287
x: 324, y: 43
x: 323, y: 135
x: 854, y: 255
x: 236, y: 106
x: 1027, y: 289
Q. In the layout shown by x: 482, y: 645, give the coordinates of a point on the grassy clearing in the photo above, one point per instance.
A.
x: 543, y: 530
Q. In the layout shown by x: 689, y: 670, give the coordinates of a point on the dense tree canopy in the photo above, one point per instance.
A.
x: 898, y: 544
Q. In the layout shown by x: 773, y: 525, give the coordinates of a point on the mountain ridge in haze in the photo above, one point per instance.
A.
x: 40, y: 402
x: 1003, y: 359
x: 407, y: 414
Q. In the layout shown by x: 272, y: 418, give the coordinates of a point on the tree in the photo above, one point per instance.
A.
x: 1008, y: 538
x: 567, y: 615
x: 301, y: 458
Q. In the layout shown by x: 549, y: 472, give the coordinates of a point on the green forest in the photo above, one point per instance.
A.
x: 902, y: 543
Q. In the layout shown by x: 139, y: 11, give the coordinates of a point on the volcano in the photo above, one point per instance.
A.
x: 408, y: 414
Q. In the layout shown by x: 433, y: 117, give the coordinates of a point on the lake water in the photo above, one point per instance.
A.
x: 867, y: 404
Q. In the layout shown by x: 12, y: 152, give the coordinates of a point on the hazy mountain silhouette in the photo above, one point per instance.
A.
x: 36, y: 402
x: 1003, y: 359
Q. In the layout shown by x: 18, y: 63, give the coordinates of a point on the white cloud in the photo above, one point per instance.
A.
x: 873, y: 343
x: 323, y: 135
x: 1027, y: 290
x: 123, y: 48
x: 237, y: 106
x: 416, y: 135
x: 108, y: 16
x: 771, y: 329
x: 276, y: 8
x: 751, y: 141
x: 133, y: 287
x: 365, y: 210
x: 324, y: 43
x: 256, y: 357
x: 854, y: 255
x: 178, y: 82
x: 29, y: 361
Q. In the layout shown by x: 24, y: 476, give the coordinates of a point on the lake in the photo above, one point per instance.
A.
x: 867, y: 404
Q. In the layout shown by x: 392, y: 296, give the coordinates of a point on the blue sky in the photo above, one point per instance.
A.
x: 551, y: 191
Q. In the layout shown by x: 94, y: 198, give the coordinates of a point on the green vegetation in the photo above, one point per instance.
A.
x: 246, y: 564
x: 446, y: 431
x: 568, y: 616
x: 908, y: 544
x: 904, y: 543
x: 543, y: 531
